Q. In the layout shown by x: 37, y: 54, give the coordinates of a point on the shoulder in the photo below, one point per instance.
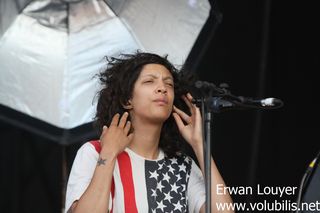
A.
x: 95, y: 144
x: 85, y: 161
x: 89, y: 150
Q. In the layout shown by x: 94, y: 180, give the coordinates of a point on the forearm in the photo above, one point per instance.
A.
x: 96, y: 197
x: 216, y: 180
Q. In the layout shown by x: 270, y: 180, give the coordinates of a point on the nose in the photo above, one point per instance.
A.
x: 161, y: 88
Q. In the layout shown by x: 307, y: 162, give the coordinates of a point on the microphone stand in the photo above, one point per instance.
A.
x: 223, y: 100
x: 206, y: 112
x: 206, y: 123
x: 207, y: 162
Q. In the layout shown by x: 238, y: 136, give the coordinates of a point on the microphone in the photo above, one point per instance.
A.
x: 219, y: 99
x: 271, y: 103
x: 222, y: 104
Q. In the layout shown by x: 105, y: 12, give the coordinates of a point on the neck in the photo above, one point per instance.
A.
x: 146, y: 138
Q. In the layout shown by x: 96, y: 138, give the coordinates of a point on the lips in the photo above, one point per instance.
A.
x: 161, y: 101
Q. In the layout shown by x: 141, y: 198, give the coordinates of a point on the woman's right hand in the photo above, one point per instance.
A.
x: 115, y: 138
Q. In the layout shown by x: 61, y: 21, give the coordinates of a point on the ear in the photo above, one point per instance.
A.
x: 127, y: 105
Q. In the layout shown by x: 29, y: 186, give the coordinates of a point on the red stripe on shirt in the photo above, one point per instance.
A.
x: 96, y: 145
x: 127, y: 183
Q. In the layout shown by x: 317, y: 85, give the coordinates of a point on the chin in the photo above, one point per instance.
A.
x: 161, y: 117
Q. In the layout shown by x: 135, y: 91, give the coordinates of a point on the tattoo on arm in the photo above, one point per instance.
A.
x: 101, y: 161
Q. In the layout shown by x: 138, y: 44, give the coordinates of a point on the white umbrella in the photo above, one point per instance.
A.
x: 50, y: 52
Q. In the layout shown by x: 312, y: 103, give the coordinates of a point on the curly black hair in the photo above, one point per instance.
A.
x: 117, y: 82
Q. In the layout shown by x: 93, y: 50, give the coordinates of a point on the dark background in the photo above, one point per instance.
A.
x: 261, y: 49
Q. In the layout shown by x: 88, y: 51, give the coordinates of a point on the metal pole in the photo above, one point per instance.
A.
x: 207, y: 161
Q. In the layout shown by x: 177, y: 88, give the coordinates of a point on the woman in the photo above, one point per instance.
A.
x: 137, y: 165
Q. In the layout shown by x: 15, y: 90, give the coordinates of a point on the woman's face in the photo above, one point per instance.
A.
x: 153, y: 94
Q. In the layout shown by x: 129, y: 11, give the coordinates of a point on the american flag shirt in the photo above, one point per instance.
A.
x: 139, y: 184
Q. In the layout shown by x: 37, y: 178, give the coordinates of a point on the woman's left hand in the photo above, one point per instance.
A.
x: 190, y: 127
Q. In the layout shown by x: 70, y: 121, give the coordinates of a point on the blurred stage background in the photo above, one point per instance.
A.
x: 261, y: 49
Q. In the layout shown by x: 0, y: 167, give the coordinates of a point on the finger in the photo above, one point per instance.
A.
x: 178, y: 120
x: 189, y: 96
x: 190, y: 100
x: 123, y: 119
x: 187, y: 101
x: 104, y: 130
x: 182, y: 114
x: 198, y: 116
x: 189, y: 104
x: 127, y: 127
x: 115, y: 120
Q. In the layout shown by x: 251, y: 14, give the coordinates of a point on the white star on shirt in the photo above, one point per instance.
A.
x: 160, y: 186
x: 168, y: 197
x: 182, y: 167
x: 183, y: 187
x: 166, y: 177
x: 154, y: 193
x: 154, y: 175
x: 174, y: 160
x: 175, y: 187
x: 160, y: 166
x: 182, y: 197
x: 178, y: 177
x: 187, y: 159
x: 171, y: 169
x: 188, y: 175
x: 160, y: 205
x: 177, y: 206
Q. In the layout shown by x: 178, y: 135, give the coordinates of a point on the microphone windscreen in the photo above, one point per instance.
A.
x: 198, y: 84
